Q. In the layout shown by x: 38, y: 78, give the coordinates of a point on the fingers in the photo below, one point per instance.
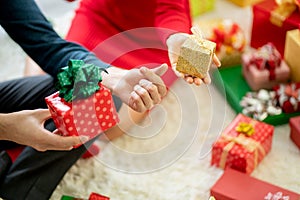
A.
x: 216, y: 61
x: 197, y: 81
x: 42, y: 114
x: 144, y: 96
x: 160, y: 70
x: 136, y: 103
x: 58, y: 142
x: 152, y: 76
x: 151, y: 89
x: 179, y: 74
x: 207, y: 79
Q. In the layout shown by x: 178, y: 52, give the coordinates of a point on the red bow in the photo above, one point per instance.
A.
x: 267, y: 57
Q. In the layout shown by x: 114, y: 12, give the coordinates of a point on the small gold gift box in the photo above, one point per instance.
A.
x: 196, y: 55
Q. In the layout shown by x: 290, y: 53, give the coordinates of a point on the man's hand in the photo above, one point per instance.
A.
x: 27, y: 128
x: 140, y: 88
x: 174, y: 43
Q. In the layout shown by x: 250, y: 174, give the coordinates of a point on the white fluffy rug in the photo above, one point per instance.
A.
x: 129, y: 168
x: 168, y: 156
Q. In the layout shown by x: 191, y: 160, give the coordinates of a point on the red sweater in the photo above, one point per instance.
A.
x: 99, y: 25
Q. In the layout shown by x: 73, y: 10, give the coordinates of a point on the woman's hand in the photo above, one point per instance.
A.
x: 174, y: 43
x: 140, y: 88
x: 27, y: 128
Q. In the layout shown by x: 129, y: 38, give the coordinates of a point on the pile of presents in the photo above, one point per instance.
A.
x: 262, y: 83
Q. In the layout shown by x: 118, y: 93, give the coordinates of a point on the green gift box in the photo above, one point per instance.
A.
x: 232, y: 81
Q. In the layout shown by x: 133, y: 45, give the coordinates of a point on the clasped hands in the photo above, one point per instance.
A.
x: 142, y: 88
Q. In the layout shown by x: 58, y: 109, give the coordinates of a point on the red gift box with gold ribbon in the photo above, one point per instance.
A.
x: 82, y: 106
x: 264, y: 68
x: 243, y: 144
x: 271, y: 20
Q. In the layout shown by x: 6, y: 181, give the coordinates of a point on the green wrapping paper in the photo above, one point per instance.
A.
x: 78, y: 80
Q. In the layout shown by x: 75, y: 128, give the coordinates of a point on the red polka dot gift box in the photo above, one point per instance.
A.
x: 82, y: 106
x: 243, y: 144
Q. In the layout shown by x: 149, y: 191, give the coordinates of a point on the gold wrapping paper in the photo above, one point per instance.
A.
x: 291, y: 53
x: 196, y: 55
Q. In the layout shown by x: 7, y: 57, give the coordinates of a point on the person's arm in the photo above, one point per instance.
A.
x: 173, y: 16
x: 28, y: 27
x: 27, y: 128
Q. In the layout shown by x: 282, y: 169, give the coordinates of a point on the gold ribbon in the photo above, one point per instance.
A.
x: 248, y: 143
x: 198, y: 38
x: 284, y: 9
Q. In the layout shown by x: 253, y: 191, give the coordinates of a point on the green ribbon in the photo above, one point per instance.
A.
x: 78, y: 80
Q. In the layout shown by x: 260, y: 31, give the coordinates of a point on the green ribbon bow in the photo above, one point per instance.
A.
x: 78, y: 80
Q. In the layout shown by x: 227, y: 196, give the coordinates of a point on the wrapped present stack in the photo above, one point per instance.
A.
x: 271, y: 21
x: 82, y: 106
x: 243, y: 144
x: 264, y: 89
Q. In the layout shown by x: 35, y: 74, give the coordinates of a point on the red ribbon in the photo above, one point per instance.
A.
x: 221, y: 37
x: 267, y: 57
x: 290, y: 92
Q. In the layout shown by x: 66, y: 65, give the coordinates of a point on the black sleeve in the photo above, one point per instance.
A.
x: 27, y: 26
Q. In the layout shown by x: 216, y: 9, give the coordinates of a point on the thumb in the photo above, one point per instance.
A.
x: 43, y: 114
x: 160, y: 70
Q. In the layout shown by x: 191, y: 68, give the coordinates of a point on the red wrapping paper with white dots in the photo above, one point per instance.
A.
x: 236, y: 150
x: 90, y: 116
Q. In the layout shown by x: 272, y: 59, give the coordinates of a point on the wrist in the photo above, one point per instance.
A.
x: 4, y: 124
x: 112, y: 78
x: 175, y: 38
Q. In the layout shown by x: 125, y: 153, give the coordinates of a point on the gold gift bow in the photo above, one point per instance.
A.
x: 245, y: 128
x: 248, y: 143
x: 198, y: 37
x: 284, y: 9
